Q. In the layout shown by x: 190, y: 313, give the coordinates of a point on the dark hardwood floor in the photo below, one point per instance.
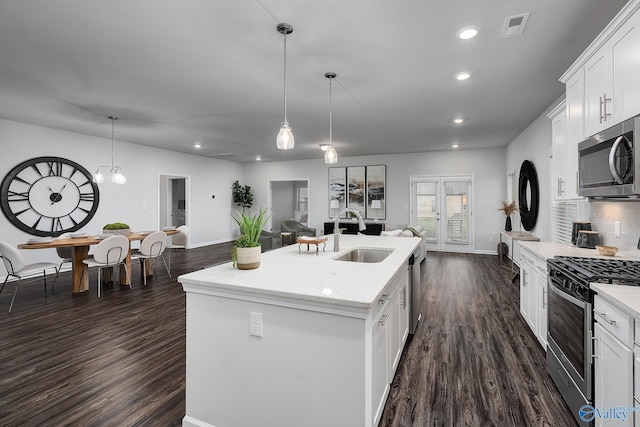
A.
x: 120, y: 360
x: 473, y: 360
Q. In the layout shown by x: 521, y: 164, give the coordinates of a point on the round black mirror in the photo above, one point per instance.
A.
x: 528, y: 195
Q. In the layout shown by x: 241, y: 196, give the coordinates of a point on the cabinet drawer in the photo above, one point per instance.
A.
x: 614, y: 320
x: 537, y: 263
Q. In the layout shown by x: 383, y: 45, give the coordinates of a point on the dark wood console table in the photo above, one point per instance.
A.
x: 373, y: 228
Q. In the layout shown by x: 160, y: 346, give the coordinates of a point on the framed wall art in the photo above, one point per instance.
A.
x: 356, y: 189
x: 337, y: 190
x: 375, y: 191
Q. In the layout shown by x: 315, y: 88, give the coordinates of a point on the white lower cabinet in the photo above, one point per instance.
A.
x: 613, y: 363
x: 636, y: 372
x: 390, y: 330
x: 533, y: 293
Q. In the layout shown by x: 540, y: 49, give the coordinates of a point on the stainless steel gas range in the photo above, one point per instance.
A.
x: 570, y: 321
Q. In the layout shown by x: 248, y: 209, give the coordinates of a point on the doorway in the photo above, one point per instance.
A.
x: 288, y: 199
x: 442, y: 205
x: 174, y: 201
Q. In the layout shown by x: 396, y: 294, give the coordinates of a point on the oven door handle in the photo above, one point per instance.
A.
x: 566, y: 296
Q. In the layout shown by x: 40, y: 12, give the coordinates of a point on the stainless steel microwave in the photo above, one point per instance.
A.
x: 608, y: 162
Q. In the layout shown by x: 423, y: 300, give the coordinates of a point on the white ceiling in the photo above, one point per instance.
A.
x: 178, y: 72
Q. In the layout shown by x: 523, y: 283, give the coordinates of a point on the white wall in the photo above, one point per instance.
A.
x: 209, y: 220
x: 534, y: 144
x: 486, y: 165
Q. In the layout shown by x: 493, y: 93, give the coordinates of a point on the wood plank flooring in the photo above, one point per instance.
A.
x: 120, y: 360
x: 473, y: 360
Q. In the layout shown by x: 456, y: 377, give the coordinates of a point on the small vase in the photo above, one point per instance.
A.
x: 507, y: 225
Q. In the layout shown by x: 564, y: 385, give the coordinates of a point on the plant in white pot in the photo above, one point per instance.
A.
x: 117, y: 228
x: 247, y: 249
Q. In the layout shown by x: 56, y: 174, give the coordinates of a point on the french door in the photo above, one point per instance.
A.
x: 442, y: 206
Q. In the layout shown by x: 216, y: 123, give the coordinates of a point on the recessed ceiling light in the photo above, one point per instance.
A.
x: 323, y: 147
x: 463, y: 76
x: 258, y: 158
x: 467, y: 33
x: 197, y: 145
x: 455, y: 145
x: 458, y: 120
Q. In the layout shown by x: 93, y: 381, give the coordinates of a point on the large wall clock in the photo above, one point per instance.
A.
x: 48, y: 196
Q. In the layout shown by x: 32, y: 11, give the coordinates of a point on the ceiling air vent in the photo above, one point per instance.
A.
x: 514, y: 25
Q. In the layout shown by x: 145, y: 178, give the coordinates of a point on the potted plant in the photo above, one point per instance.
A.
x: 508, y: 209
x: 242, y: 195
x: 117, y: 228
x: 246, y: 251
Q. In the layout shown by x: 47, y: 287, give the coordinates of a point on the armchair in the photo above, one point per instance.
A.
x: 296, y: 229
x: 269, y: 240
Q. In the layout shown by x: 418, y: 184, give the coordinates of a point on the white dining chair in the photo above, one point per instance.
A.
x: 65, y: 253
x: 151, y: 248
x: 110, y: 252
x: 18, y: 268
x: 178, y: 241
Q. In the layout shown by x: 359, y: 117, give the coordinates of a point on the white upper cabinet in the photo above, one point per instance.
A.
x: 609, y: 69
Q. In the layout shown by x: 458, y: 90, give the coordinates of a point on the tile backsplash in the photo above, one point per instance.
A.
x: 603, y: 216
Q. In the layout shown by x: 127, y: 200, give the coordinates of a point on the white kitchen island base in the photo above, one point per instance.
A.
x: 320, y: 361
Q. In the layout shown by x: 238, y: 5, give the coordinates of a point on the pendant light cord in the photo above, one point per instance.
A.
x: 330, y: 115
x: 285, y: 78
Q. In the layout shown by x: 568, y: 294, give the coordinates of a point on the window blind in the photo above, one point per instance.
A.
x: 562, y: 216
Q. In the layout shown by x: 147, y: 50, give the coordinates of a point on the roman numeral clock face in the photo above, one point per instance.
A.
x: 48, y: 196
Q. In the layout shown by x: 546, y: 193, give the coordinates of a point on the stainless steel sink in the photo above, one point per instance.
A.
x: 368, y: 255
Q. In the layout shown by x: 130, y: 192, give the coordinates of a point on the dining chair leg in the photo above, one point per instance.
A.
x: 99, y: 282
x: 4, y: 283
x: 14, y: 294
x: 144, y: 271
x: 126, y: 274
x: 166, y: 266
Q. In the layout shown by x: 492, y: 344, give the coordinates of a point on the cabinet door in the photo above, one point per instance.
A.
x: 613, y: 376
x: 574, y: 128
x: 596, y: 92
x: 379, y: 364
x: 625, y: 66
x: 541, y: 290
x: 527, y: 295
x: 558, y: 145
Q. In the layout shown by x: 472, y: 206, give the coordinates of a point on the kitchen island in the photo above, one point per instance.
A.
x: 303, y: 340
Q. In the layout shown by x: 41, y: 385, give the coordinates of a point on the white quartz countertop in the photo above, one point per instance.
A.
x: 627, y: 298
x: 549, y: 250
x: 285, y: 273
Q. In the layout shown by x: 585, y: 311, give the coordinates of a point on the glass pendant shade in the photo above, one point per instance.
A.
x: 98, y: 178
x: 118, y: 178
x: 285, y: 140
x: 331, y: 156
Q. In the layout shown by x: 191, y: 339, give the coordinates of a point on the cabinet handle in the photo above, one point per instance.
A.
x: 577, y: 183
x: 383, y: 319
x: 601, y: 118
x: 593, y: 352
x: 403, y: 291
x: 604, y: 316
x: 636, y: 343
x: 604, y: 106
x: 544, y: 297
x: 384, y: 299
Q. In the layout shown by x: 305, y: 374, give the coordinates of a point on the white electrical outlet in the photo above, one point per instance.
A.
x: 255, y: 324
x: 616, y: 228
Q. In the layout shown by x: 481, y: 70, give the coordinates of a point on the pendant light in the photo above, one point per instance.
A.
x: 285, y: 140
x: 330, y: 155
x: 117, y: 176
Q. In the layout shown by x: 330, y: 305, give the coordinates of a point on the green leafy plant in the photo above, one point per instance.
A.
x: 241, y: 242
x: 116, y: 226
x: 242, y: 195
x: 250, y: 227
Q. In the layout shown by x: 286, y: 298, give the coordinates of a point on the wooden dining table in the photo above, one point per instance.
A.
x: 81, y: 245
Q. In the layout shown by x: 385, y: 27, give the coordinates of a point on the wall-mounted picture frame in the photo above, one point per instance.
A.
x: 375, y: 190
x: 337, y: 190
x: 356, y: 189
